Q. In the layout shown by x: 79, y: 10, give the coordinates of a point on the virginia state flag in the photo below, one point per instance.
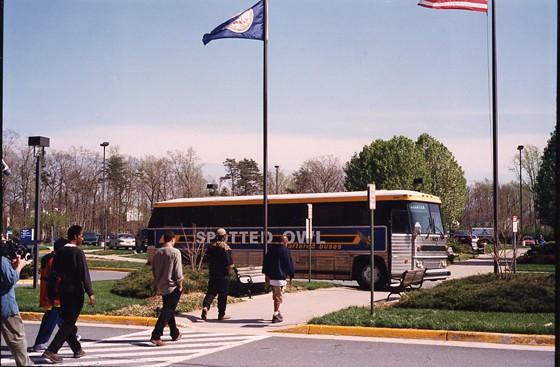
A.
x: 474, y: 5
x: 249, y: 24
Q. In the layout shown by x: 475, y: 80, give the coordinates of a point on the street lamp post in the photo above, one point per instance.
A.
x: 105, y: 144
x: 520, y: 148
x: 38, y: 143
x: 276, y: 178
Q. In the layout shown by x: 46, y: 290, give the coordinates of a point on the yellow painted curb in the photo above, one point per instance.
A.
x: 100, y: 319
x: 443, y: 335
x: 523, y: 339
x: 366, y: 331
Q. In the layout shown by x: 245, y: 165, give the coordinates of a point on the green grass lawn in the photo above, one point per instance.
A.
x: 105, y: 301
x: 499, y: 322
x: 537, y: 268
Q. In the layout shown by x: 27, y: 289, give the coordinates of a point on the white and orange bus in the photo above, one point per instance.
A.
x: 408, y: 231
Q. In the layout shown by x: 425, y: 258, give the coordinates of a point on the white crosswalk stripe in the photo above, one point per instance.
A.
x: 136, y: 349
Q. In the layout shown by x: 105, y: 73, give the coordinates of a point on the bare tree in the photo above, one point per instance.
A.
x: 531, y: 159
x: 320, y: 174
x: 151, y: 178
x: 279, y: 182
x: 188, y: 173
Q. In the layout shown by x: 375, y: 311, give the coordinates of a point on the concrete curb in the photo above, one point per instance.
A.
x: 128, y: 270
x: 443, y: 335
x: 101, y: 319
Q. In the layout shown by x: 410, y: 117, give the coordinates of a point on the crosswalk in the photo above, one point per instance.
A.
x: 135, y: 349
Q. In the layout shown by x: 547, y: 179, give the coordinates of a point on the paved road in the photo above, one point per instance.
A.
x: 129, y: 346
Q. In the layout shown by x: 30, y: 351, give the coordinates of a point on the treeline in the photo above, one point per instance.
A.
x: 72, y: 183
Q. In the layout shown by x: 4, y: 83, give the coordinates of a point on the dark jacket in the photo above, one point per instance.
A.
x: 277, y: 263
x: 218, y: 256
x: 70, y: 264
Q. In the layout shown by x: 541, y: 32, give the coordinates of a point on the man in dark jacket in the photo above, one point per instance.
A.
x: 69, y: 264
x: 278, y: 266
x: 220, y: 263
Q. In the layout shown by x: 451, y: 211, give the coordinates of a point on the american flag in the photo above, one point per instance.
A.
x: 474, y: 5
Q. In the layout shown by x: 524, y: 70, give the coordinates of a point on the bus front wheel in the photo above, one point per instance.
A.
x: 364, y: 275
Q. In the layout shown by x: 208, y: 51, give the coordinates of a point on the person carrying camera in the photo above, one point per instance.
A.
x: 13, y: 330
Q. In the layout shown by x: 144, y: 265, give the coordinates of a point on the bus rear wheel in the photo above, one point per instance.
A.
x: 364, y: 275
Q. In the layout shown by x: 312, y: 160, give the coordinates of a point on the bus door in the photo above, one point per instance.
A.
x: 400, y: 249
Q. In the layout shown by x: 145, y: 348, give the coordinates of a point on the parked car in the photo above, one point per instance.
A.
x: 122, y: 240
x: 463, y: 237
x: 527, y: 241
x: 90, y: 239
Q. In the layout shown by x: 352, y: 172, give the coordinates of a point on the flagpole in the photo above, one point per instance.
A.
x: 265, y: 128
x: 495, y: 135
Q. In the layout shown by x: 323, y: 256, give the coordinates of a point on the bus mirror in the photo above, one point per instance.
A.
x: 417, y: 228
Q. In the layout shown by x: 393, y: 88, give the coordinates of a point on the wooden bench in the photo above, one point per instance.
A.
x: 249, y: 276
x: 410, y: 280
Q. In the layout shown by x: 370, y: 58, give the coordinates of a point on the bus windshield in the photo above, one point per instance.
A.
x: 427, y: 215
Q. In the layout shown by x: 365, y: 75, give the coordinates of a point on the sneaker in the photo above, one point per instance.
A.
x: 79, y: 354
x: 275, y: 319
x: 204, y: 315
x: 177, y: 337
x: 78, y: 337
x: 53, y: 357
x: 224, y: 317
x: 158, y: 342
x: 280, y: 317
x: 39, y: 347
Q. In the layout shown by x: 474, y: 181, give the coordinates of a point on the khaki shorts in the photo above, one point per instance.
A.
x: 278, y: 293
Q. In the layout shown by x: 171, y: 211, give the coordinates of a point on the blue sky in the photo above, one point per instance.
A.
x: 341, y: 74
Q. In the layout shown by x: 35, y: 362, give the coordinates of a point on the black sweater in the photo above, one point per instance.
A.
x: 70, y: 264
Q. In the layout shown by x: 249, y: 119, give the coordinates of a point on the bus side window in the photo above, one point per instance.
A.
x: 399, y: 221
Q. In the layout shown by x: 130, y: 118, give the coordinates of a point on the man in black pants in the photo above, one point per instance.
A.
x: 168, y: 273
x: 70, y: 266
x: 220, y: 263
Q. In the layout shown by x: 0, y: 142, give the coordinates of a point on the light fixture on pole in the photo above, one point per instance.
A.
x: 39, y: 143
x: 105, y: 144
x: 520, y: 148
x: 212, y: 187
x: 276, y: 178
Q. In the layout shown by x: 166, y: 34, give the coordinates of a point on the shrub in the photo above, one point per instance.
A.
x: 532, y: 293
x: 138, y: 284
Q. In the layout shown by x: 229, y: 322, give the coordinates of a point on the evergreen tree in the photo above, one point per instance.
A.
x: 545, y: 188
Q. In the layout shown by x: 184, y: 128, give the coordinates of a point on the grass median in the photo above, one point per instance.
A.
x: 512, y: 303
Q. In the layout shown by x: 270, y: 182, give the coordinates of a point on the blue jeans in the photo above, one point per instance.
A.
x: 51, y: 318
